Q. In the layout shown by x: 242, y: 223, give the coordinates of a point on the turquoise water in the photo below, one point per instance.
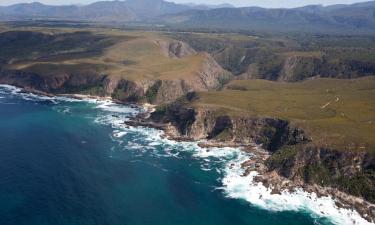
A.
x: 66, y: 162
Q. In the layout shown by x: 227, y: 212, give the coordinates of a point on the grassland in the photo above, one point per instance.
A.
x: 132, y: 55
x: 335, y: 113
x: 266, y: 55
x: 137, y: 55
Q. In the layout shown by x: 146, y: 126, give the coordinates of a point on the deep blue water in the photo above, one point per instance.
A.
x: 67, y: 163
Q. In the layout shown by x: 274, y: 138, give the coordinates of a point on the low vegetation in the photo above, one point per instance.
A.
x: 335, y: 113
x: 94, y: 53
x: 287, y: 57
x: 317, y: 172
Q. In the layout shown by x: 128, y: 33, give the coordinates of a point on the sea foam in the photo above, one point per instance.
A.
x: 110, y: 106
x: 15, y: 91
x: 234, y: 184
x: 323, y: 208
x: 237, y: 186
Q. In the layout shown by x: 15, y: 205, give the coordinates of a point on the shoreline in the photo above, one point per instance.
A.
x: 256, y: 164
x: 271, y: 180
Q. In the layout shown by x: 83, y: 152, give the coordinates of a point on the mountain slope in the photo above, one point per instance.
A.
x: 129, y: 66
x: 99, y: 11
x: 360, y: 16
x: 120, y: 11
x: 152, y: 8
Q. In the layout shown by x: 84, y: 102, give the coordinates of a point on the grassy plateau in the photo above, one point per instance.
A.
x: 334, y: 112
x: 132, y: 55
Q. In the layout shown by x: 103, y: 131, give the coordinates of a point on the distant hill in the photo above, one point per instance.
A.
x: 206, y: 7
x: 358, y: 17
x: 152, y: 8
x: 102, y: 11
x: 118, y: 11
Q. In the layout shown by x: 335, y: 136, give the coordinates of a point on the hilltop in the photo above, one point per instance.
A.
x: 317, y: 133
x: 311, y: 19
x: 306, y: 99
x: 101, y: 11
x: 130, y: 66
x: 354, y: 19
x: 323, y: 108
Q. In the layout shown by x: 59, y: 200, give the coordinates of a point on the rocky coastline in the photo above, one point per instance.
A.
x: 260, y: 157
x: 272, y: 178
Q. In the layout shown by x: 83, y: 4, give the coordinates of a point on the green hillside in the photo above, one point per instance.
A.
x: 335, y: 113
x: 287, y: 57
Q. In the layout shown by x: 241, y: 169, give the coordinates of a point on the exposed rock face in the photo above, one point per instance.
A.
x: 222, y: 124
x: 110, y: 84
x: 310, y: 164
x: 169, y: 90
x: 176, y: 49
x: 299, y: 68
x: 209, y: 76
x: 128, y: 91
x: 293, y: 154
x: 205, y: 124
x: 291, y: 66
x: 23, y: 79
x: 340, y: 163
x: 57, y: 84
x: 296, y: 68
x: 212, y: 75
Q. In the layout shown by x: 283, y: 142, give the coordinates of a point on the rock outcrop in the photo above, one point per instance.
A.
x: 293, y: 154
x: 204, y: 123
x: 153, y: 88
x: 210, y: 77
x: 299, y: 67
x: 60, y: 83
x: 175, y: 49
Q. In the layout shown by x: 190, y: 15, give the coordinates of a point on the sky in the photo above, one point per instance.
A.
x: 262, y: 3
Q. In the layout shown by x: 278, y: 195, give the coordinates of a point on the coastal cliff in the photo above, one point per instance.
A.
x: 145, y: 68
x: 292, y: 159
x: 61, y: 83
x: 152, y: 91
x: 161, y: 71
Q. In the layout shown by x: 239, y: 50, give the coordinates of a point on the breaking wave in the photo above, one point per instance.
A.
x: 234, y: 184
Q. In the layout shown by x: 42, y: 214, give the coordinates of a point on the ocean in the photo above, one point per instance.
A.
x: 75, y: 162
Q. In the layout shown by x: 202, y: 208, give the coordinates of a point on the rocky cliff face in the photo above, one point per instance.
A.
x: 292, y: 66
x: 204, y: 123
x: 297, y: 68
x: 350, y: 172
x: 209, y: 76
x: 293, y: 154
x: 175, y: 49
x: 57, y: 84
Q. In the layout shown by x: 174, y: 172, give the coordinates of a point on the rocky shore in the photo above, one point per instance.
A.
x: 273, y: 180
x: 259, y: 162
